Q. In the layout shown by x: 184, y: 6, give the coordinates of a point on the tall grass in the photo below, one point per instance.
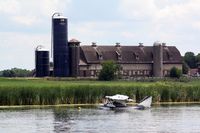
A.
x: 45, y: 92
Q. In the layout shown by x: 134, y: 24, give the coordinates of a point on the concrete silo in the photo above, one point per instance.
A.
x: 74, y: 57
x: 157, y: 59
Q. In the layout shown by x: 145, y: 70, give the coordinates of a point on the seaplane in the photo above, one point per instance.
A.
x: 120, y: 101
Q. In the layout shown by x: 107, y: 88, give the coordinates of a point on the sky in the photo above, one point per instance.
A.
x: 25, y: 24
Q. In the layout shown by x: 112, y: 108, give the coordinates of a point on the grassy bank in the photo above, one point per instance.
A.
x: 50, y: 92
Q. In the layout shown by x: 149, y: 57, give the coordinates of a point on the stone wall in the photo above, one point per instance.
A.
x: 128, y: 70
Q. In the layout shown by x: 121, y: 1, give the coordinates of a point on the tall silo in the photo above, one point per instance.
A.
x: 157, y: 59
x: 60, y: 46
x: 41, y: 61
x: 74, y: 46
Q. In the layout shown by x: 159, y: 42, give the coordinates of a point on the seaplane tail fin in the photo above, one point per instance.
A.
x: 146, y: 102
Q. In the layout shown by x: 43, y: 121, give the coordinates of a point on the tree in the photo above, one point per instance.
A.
x: 190, y: 59
x: 8, y: 73
x: 175, y: 72
x: 16, y: 72
x: 198, y: 58
x: 109, y: 71
x: 185, y: 68
x: 1, y: 73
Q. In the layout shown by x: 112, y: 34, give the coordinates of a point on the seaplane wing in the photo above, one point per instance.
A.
x: 118, y: 97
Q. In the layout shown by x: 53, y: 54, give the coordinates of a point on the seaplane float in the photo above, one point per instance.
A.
x: 120, y: 101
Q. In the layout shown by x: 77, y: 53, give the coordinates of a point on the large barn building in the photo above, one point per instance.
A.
x: 70, y: 59
x: 135, y: 61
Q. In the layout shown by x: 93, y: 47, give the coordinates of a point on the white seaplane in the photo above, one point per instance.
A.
x: 120, y: 101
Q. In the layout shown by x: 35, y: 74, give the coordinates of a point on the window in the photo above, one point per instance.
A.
x: 84, y: 73
x: 130, y: 73
x: 100, y: 57
x: 92, y: 72
x: 144, y: 72
x: 136, y: 56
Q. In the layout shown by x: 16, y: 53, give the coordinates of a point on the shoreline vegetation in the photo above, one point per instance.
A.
x: 68, y: 91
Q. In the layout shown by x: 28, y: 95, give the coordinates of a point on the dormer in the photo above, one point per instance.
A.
x: 119, y: 56
x: 98, y: 53
x: 100, y: 56
x: 136, y: 56
x: 169, y: 56
x: 118, y: 51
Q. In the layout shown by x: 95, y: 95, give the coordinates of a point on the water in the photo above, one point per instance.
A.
x: 168, y: 119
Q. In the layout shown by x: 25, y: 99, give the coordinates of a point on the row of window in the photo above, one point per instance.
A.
x: 124, y: 73
x: 94, y: 73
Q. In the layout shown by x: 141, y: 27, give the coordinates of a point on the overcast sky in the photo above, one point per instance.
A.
x: 24, y: 24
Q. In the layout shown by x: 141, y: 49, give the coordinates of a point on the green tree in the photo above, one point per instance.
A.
x: 8, y: 73
x: 1, y: 73
x: 16, y: 72
x: 109, y: 71
x: 198, y: 58
x: 185, y: 68
x: 175, y: 72
x: 190, y: 59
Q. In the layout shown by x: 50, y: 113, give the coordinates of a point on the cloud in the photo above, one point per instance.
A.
x: 9, y: 7
x: 28, y: 12
x: 17, y: 49
x: 137, y: 9
x: 26, y: 20
x: 98, y: 31
x: 176, y: 21
x: 166, y: 11
x: 127, y: 34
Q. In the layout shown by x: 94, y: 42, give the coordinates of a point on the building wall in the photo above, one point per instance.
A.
x: 137, y: 66
x: 128, y: 70
x: 91, y: 70
x: 168, y: 67
x: 136, y: 70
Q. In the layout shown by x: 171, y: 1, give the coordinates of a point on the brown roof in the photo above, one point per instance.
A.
x: 128, y: 54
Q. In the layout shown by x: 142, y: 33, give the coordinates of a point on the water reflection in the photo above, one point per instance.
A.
x: 63, y: 118
x: 165, y: 119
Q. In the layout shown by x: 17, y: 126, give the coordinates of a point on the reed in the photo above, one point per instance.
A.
x: 50, y: 92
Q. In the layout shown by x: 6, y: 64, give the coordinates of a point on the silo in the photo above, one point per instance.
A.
x: 157, y: 60
x: 74, y: 57
x: 41, y: 62
x: 60, y: 46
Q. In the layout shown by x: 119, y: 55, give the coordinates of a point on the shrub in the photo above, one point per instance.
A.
x: 109, y: 71
x: 175, y: 73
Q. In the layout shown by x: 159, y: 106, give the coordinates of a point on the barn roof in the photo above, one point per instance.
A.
x: 128, y: 54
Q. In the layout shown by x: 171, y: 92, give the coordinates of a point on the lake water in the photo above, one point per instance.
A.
x: 161, y: 119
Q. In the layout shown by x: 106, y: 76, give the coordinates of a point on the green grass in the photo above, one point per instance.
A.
x: 22, y: 91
